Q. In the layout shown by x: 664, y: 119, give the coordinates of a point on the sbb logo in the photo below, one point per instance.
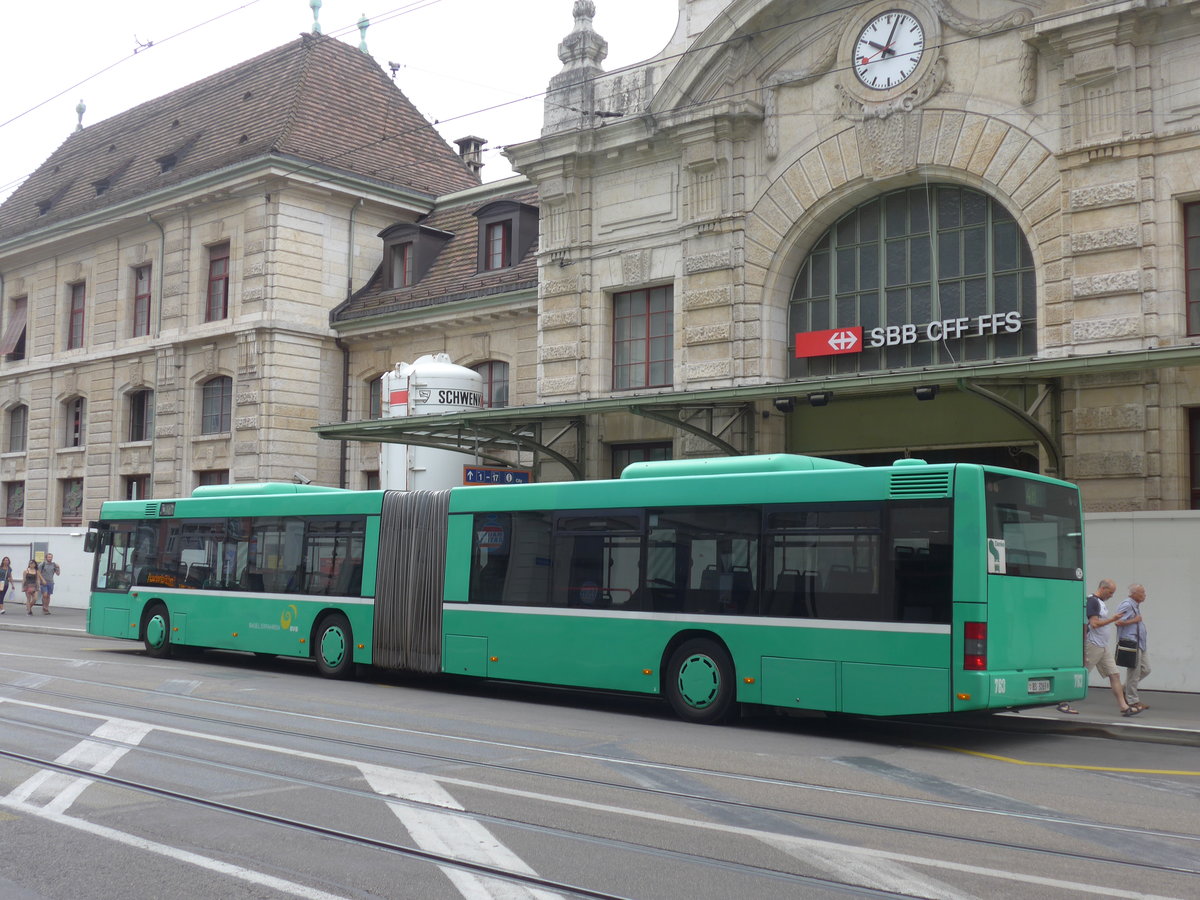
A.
x: 894, y: 335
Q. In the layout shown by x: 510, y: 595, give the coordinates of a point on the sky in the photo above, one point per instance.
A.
x: 474, y: 67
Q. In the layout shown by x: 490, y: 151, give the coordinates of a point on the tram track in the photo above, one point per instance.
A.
x: 440, y: 859
x: 1108, y: 831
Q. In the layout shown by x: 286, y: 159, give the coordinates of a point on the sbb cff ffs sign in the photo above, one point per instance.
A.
x: 837, y: 341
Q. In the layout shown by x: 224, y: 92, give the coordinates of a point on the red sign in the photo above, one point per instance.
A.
x: 398, y: 397
x: 833, y: 342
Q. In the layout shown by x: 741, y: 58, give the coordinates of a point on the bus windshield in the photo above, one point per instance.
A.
x: 1034, y: 528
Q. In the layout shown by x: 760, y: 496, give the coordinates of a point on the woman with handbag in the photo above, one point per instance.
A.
x: 1131, y: 644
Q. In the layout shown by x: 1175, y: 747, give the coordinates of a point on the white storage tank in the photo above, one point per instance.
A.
x: 432, y: 385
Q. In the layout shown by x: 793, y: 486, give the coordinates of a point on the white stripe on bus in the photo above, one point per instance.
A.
x: 335, y: 599
x: 694, y: 618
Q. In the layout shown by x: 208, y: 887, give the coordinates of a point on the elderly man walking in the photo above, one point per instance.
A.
x: 1132, y: 626
x: 1097, y: 645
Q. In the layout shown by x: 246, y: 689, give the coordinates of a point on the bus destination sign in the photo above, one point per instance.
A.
x: 493, y: 475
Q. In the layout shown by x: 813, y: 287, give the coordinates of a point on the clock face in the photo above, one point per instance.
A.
x: 888, y: 50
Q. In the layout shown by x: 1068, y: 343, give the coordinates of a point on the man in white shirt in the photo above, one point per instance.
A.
x: 1097, y: 645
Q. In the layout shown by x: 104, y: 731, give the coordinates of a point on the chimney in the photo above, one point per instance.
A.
x: 471, y: 150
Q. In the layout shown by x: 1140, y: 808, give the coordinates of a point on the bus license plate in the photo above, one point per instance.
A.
x: 1039, y: 685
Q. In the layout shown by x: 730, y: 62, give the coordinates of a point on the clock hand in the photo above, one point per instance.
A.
x: 891, y: 36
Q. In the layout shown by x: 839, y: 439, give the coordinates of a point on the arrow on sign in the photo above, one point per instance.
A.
x: 843, y: 341
x: 830, y: 342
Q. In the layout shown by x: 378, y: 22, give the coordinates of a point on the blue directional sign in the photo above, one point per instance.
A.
x: 492, y: 475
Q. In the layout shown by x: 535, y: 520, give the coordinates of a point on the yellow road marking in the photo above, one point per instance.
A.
x: 1047, y: 765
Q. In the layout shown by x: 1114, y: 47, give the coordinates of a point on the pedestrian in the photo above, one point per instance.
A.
x: 1132, y: 626
x: 1097, y: 647
x: 6, y: 581
x: 48, y: 569
x: 30, y: 584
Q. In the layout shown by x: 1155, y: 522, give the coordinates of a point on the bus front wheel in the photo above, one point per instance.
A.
x: 700, y: 686
x: 156, y: 631
x: 334, y: 647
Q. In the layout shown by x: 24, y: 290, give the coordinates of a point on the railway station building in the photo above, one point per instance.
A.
x: 972, y: 244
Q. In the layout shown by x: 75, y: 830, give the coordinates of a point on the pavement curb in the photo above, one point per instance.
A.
x: 1139, y: 731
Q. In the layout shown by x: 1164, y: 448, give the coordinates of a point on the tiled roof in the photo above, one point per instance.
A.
x: 454, y: 274
x: 314, y: 100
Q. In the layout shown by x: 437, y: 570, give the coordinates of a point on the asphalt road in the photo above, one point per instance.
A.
x: 224, y: 776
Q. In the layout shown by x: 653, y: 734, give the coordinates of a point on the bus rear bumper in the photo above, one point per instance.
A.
x: 999, y: 689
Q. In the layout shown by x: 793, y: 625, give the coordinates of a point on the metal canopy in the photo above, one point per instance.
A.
x: 557, y: 430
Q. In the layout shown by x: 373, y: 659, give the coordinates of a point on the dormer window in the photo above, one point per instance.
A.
x: 497, y: 239
x: 169, y: 161
x: 401, y: 256
x: 409, y: 251
x: 507, y: 231
x: 47, y: 203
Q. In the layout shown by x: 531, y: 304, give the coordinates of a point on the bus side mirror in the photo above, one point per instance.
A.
x: 91, y: 542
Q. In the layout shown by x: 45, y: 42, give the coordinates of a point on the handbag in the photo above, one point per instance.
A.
x: 1127, y: 653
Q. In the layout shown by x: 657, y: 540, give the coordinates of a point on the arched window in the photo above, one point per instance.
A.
x: 495, y: 383
x: 216, y: 405
x: 932, y: 275
x: 18, y: 428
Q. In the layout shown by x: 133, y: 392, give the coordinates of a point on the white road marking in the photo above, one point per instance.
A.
x: 455, y: 836
x: 847, y: 864
x: 795, y: 843
x: 288, y: 888
x: 48, y: 795
x: 56, y: 791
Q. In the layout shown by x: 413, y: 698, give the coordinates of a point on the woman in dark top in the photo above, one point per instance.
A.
x: 6, y: 581
x: 30, y: 584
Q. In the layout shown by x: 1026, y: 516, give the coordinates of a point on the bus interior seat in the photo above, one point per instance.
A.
x: 725, y: 591
x: 792, y: 597
x: 197, y: 574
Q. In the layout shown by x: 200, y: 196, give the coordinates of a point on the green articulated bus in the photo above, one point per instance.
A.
x: 782, y: 580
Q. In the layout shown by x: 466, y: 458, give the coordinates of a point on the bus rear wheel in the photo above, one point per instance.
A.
x: 156, y: 631
x: 334, y: 646
x: 700, y: 686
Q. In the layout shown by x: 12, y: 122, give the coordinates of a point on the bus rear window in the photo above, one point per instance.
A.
x: 1034, y: 528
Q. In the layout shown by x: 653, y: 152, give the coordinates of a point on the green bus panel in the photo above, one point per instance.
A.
x: 799, y: 683
x: 464, y: 654
x: 773, y: 664
x: 875, y: 690
x: 1032, y: 622
x: 115, y: 621
x: 275, y: 624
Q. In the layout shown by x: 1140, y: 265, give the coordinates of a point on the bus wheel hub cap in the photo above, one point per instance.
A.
x: 699, y: 681
x: 155, y: 631
x: 333, y: 646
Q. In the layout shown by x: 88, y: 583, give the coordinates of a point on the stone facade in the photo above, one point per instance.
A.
x: 299, y: 236
x: 715, y: 167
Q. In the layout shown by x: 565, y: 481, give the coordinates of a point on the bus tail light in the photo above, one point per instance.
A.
x: 975, y: 645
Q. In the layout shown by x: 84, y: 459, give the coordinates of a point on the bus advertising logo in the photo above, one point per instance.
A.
x: 289, y: 616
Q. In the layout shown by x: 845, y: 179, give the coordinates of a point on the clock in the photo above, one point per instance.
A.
x: 888, y: 50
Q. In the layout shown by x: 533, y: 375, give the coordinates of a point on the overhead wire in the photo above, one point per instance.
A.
x: 416, y: 5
